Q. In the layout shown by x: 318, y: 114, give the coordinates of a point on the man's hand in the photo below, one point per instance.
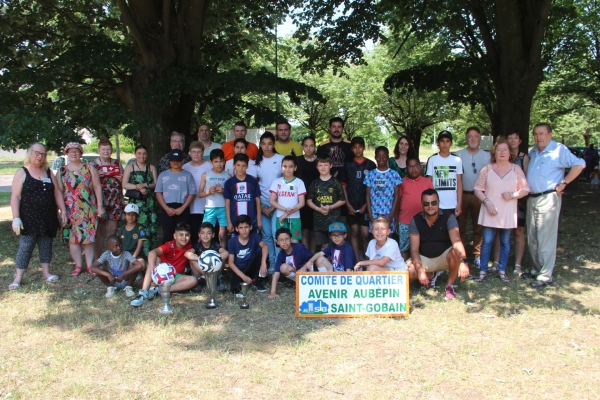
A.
x: 463, y: 271
x: 423, y: 278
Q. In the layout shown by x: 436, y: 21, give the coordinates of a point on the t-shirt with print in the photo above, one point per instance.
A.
x: 116, y: 265
x: 389, y: 249
x: 175, y: 255
x: 198, y: 204
x: 268, y: 170
x: 243, y: 254
x: 325, y: 193
x: 288, y: 194
x: 199, y: 247
x: 211, y: 179
x: 340, y: 153
x: 444, y: 172
x: 176, y: 186
x: 242, y: 196
x: 356, y: 188
x: 130, y: 239
x: 299, y: 256
x: 382, y: 185
x: 342, y: 257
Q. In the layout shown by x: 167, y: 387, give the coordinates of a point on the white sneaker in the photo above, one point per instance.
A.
x: 110, y: 291
x: 129, y: 291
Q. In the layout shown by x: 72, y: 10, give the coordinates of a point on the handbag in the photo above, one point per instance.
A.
x: 134, y: 193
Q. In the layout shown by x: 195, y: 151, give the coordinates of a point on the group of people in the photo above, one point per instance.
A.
x: 291, y: 206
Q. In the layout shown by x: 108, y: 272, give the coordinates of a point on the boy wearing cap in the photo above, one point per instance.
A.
x: 356, y: 196
x: 445, y: 171
x: 133, y: 235
x: 338, y: 252
x: 175, y: 190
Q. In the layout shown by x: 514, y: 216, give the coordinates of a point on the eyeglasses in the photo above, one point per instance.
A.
x: 474, y: 169
x: 432, y: 203
x: 176, y: 141
x: 413, y: 166
x: 38, y: 154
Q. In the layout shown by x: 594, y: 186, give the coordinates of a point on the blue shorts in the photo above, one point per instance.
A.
x: 213, y: 215
x: 404, y: 237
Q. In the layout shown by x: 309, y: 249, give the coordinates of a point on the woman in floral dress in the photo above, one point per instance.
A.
x: 141, y: 176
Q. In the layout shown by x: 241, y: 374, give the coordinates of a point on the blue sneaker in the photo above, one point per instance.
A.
x: 152, y: 292
x: 140, y: 299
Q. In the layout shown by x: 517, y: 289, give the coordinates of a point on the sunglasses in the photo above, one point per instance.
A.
x: 428, y: 203
x: 474, y: 169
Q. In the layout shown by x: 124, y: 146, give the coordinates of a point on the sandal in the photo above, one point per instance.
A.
x: 503, y: 277
x: 76, y: 271
x: 52, y: 279
x: 14, y: 286
x: 517, y: 270
x: 89, y: 270
x: 493, y: 269
x: 482, y: 276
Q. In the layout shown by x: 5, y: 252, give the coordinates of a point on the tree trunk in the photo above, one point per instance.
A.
x: 414, y: 133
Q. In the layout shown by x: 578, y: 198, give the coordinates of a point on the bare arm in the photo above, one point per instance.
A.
x: 126, y: 175
x: 201, y: 193
x: 369, y: 213
x: 394, y: 208
x: 457, y: 245
x: 381, y: 262
x: 459, y: 190
x: 415, y: 243
x: 97, y: 190
x: 59, y: 199
x: 350, y: 207
x: 16, y: 188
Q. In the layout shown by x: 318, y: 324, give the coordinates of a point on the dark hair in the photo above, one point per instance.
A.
x: 243, y: 219
x: 382, y: 148
x: 104, y: 142
x: 182, y: 226
x: 430, y: 192
x: 283, y: 122
x: 207, y: 225
x: 240, y: 123
x: 336, y: 119
x: 543, y: 125
x: 259, y: 156
x: 472, y: 128
x: 217, y: 153
x: 241, y: 157
x: 309, y: 138
x: 140, y: 146
x: 323, y: 159
x: 240, y: 140
x: 514, y: 131
x: 114, y: 237
x: 411, y: 149
x: 289, y: 158
x: 281, y: 231
x: 413, y: 158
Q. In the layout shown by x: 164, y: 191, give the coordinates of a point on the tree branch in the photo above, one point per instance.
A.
x: 135, y: 31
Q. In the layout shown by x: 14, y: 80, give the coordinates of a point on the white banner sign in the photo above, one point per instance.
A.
x: 352, y: 294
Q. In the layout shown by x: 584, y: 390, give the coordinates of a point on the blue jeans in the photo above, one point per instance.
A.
x: 268, y: 234
x: 488, y: 242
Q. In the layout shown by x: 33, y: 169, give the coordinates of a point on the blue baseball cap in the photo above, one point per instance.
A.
x: 337, y: 227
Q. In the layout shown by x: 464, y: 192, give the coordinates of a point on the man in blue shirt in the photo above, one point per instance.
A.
x: 547, y: 182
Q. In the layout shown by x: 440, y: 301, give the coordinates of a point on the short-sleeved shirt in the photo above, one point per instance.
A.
x: 213, y: 146
x: 176, y: 187
x: 342, y: 257
x: 299, y: 256
x: 389, y: 249
x: 325, y: 193
x: 242, y: 196
x: 199, y: 247
x: 472, y: 165
x: 243, y: 254
x: 382, y: 185
x: 288, y: 194
x: 356, y: 188
x: 547, y: 168
x: 444, y: 172
x: 286, y: 149
x: 130, y: 239
x: 175, y: 255
x: 409, y: 197
x: 116, y: 265
x: 307, y: 170
x: 435, y: 239
x: 198, y: 204
x: 228, y: 150
x: 268, y: 170
x: 340, y: 153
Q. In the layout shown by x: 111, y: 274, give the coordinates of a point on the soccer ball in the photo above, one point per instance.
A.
x: 163, y: 273
x: 210, y: 261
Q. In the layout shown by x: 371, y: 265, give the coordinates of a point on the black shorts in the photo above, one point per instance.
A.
x: 306, y: 217
x: 321, y: 238
x: 361, y: 219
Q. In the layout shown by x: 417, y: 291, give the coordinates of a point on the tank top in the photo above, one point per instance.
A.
x: 212, y: 179
x: 37, y: 207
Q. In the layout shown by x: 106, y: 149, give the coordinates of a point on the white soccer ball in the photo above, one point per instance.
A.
x: 162, y: 273
x: 210, y: 261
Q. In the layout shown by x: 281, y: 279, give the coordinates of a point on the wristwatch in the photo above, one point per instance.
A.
x: 464, y: 261
x: 565, y: 182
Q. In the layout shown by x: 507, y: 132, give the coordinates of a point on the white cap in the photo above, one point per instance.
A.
x: 132, y: 208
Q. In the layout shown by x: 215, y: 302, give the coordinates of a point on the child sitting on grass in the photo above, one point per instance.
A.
x: 292, y: 258
x: 172, y: 252
x: 247, y: 256
x: 383, y: 252
x: 116, y: 268
x: 206, y: 242
x: 338, y: 251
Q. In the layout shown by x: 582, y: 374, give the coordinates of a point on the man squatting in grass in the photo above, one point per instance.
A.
x: 172, y: 252
x: 383, y: 252
x: 292, y: 258
x: 117, y: 268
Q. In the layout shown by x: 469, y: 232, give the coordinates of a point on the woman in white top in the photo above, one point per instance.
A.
x: 197, y: 166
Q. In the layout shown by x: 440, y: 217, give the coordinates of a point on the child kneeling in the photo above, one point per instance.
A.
x: 206, y: 242
x: 172, y: 252
x: 116, y: 268
x: 247, y: 256
x: 383, y: 252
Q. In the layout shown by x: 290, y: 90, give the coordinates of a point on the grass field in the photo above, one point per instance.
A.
x: 495, y: 341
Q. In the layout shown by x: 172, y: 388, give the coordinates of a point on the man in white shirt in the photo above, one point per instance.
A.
x: 445, y: 171
x: 473, y: 160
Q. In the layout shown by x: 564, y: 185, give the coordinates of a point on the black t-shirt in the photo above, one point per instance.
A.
x: 340, y: 153
x: 307, y: 170
x: 356, y: 189
x: 199, y: 247
x: 325, y: 193
x: 435, y: 239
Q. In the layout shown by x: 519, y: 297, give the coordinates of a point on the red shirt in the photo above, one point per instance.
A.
x: 409, y: 194
x: 175, y: 255
x: 251, y: 152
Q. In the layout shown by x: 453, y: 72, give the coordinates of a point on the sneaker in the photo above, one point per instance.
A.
x: 477, y: 262
x: 153, y: 291
x: 434, y: 278
x: 139, y: 300
x: 110, y: 291
x: 129, y: 291
x: 259, y: 287
x: 450, y: 295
